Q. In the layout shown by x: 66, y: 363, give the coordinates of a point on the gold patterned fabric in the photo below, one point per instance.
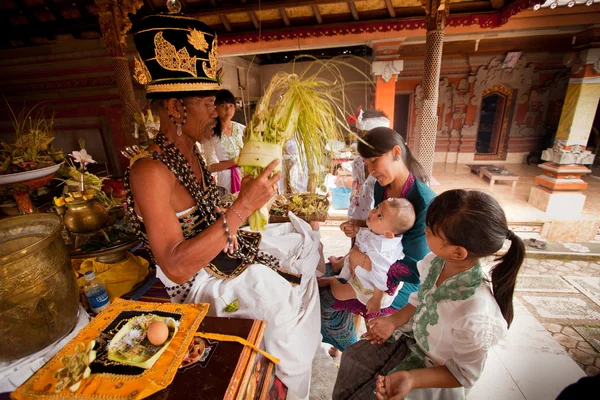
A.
x: 178, y: 56
x: 110, y: 380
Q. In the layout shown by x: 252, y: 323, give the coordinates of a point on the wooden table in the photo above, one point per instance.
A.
x: 227, y: 370
x: 498, y: 174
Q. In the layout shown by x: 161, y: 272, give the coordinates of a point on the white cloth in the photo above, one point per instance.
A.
x: 14, y: 373
x: 382, y: 253
x: 461, y: 338
x: 224, y: 149
x: 362, y: 196
x: 292, y: 312
x: 371, y: 123
x: 297, y: 172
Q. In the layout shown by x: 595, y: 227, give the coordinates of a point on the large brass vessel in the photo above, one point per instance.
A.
x: 38, y: 292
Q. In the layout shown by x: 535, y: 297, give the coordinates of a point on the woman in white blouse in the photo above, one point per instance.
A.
x: 223, y: 149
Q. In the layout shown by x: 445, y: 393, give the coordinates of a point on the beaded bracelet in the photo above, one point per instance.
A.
x: 237, y: 213
x: 226, y: 227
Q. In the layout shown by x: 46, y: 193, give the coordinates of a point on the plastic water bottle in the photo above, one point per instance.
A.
x: 95, y: 292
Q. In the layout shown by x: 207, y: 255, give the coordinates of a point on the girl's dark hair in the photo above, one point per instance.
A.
x: 381, y: 140
x: 223, y: 96
x: 476, y: 221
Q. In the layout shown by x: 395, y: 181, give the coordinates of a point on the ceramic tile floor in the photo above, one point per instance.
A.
x: 452, y: 176
x: 529, y: 364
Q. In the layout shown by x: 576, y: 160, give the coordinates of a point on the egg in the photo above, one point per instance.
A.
x: 157, y: 333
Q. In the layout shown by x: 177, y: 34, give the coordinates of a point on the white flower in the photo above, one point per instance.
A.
x: 82, y: 157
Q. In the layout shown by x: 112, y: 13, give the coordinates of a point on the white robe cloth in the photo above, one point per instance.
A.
x: 382, y: 253
x: 292, y: 312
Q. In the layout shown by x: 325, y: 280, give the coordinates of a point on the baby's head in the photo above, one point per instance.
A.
x: 392, y: 217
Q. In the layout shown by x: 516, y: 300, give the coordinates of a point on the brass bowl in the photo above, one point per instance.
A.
x: 84, y: 216
x: 39, y: 297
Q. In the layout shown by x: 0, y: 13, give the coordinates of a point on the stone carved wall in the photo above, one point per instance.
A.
x: 446, y: 93
x: 519, y: 78
x: 528, y: 117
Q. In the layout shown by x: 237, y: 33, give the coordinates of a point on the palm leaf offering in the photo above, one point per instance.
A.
x: 305, y: 107
x: 76, y: 367
x: 32, y: 148
x: 132, y: 346
x: 307, y: 206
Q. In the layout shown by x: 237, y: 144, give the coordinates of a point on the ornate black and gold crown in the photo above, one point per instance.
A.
x: 177, y: 56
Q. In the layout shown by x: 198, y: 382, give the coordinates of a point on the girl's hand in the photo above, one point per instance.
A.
x: 350, y: 228
x: 379, y: 330
x: 395, y: 386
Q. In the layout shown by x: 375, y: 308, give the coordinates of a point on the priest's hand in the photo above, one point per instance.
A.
x: 256, y: 192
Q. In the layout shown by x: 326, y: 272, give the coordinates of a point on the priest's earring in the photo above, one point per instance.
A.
x: 396, y: 158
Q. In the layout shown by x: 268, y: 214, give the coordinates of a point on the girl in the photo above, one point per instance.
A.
x: 226, y: 144
x: 456, y: 315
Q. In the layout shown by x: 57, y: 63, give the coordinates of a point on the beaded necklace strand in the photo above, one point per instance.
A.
x: 207, y: 199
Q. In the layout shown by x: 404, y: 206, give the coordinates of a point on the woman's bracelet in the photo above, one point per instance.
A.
x: 226, y: 227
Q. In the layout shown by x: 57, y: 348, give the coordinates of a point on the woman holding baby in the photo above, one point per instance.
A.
x: 398, y: 176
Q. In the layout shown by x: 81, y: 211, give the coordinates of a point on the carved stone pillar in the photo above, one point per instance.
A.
x: 559, y: 190
x: 386, y: 73
x: 436, y: 17
x: 114, y: 23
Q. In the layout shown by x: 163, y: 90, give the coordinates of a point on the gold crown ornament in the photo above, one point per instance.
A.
x: 170, y: 47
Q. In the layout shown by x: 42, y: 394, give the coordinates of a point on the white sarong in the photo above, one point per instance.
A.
x: 292, y: 312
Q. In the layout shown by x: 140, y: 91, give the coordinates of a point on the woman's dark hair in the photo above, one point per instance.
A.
x: 381, y: 140
x: 476, y: 221
x: 223, y: 96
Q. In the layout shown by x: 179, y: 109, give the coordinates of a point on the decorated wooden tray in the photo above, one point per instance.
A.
x: 115, y: 356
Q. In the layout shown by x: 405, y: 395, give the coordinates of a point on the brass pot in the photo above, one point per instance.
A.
x: 85, y: 216
x: 39, y: 297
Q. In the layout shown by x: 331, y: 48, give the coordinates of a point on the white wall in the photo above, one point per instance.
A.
x: 249, y: 77
x: 356, y: 94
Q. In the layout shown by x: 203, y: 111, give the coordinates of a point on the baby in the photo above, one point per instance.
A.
x: 381, y: 245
